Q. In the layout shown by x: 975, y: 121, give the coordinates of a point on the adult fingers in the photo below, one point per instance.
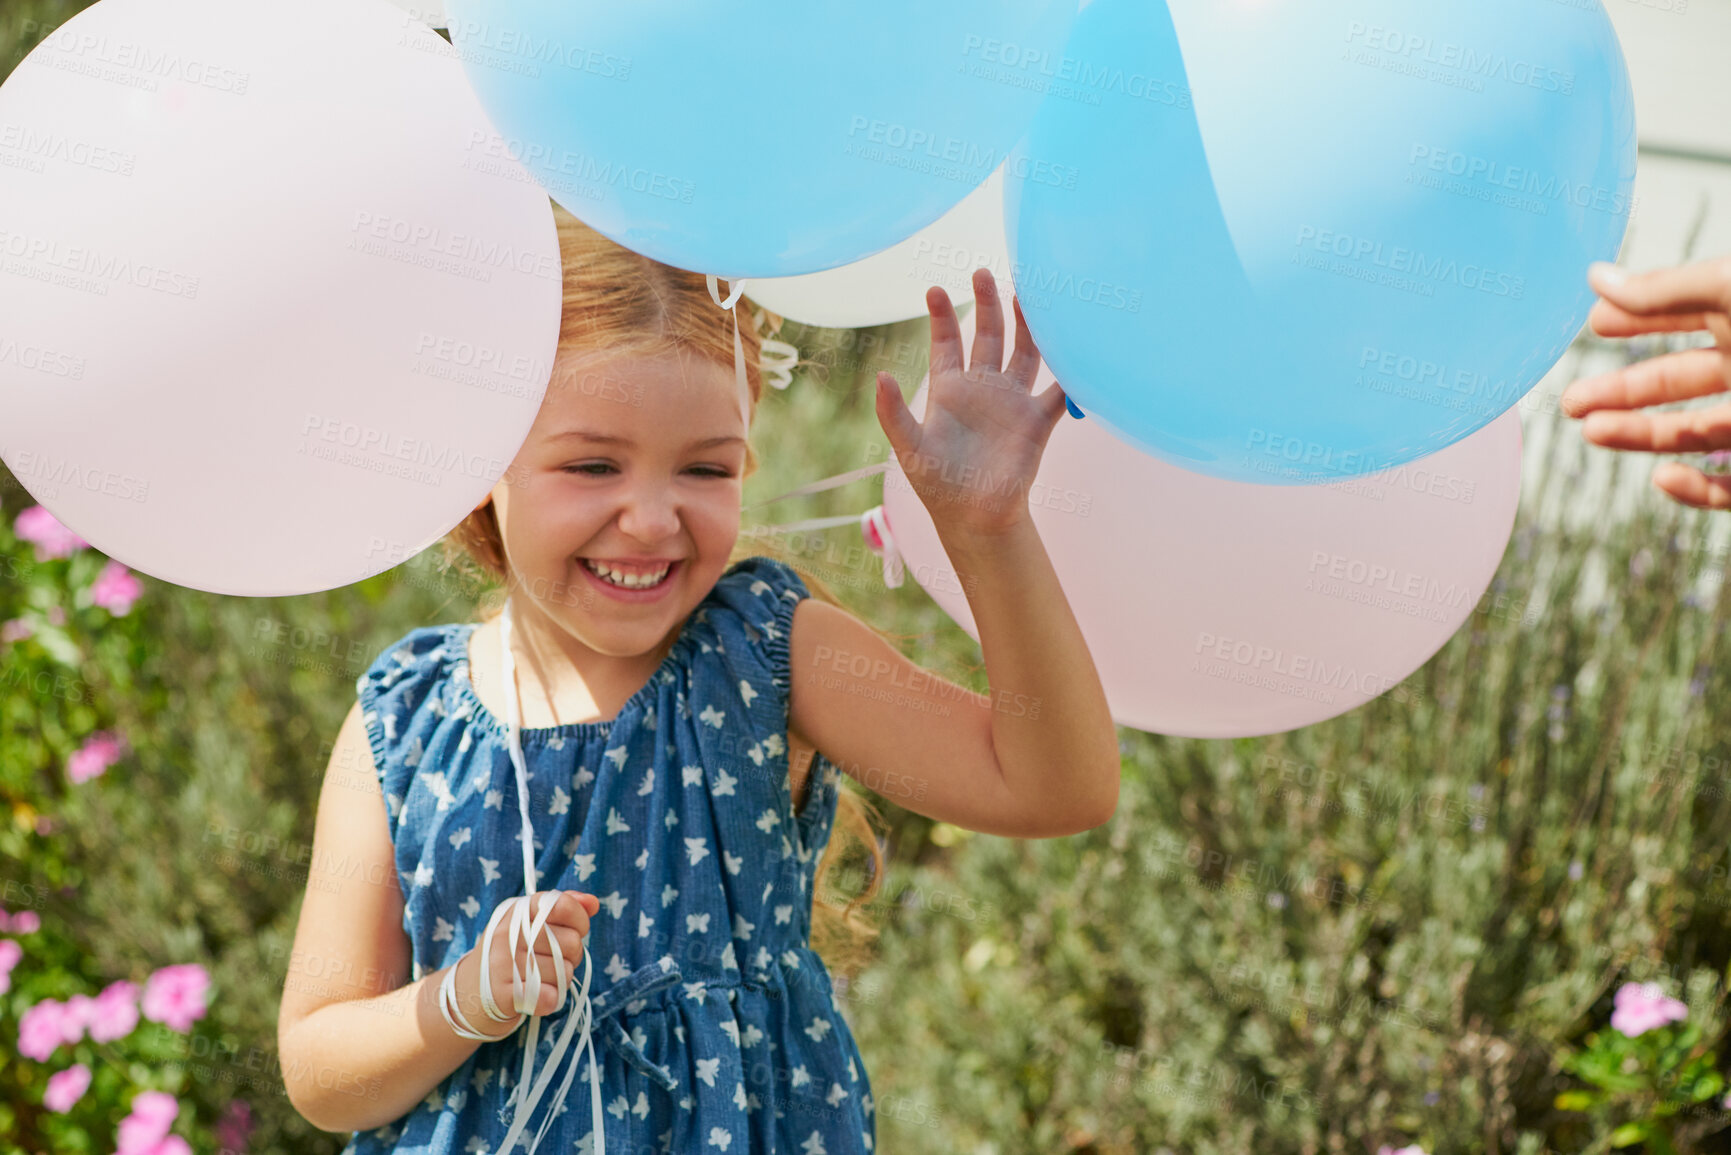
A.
x: 1704, y: 286
x: 1690, y: 486
x: 1692, y: 431
x: 1673, y: 377
x: 1609, y: 320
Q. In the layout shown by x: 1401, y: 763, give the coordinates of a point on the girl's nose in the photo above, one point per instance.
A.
x: 651, y: 514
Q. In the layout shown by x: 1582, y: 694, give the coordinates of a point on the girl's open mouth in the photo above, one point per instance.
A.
x: 635, y: 592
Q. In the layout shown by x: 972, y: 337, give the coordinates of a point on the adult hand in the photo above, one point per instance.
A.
x: 1687, y: 299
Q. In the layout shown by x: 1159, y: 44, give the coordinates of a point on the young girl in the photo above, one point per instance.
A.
x: 666, y: 718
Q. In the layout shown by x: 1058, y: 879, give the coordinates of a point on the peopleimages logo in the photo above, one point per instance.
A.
x: 47, y: 146
x: 1086, y: 77
x: 39, y: 359
x: 542, y: 50
x: 157, y: 64
x: 1460, y: 58
x: 1516, y: 179
x: 1415, y: 263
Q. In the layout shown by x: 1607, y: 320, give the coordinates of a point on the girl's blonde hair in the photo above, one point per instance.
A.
x: 619, y: 302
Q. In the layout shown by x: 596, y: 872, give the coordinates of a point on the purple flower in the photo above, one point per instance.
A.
x: 1642, y: 1007
x: 66, y: 1088
x: 235, y: 1126
x: 44, y: 530
x: 175, y: 996
x: 115, y: 589
x: 17, y: 629
x: 100, y: 751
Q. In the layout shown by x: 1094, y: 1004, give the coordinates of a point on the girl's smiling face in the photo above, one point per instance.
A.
x: 633, y: 460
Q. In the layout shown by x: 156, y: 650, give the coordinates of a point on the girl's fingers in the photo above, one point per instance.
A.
x: 988, y: 323
x: 1704, y: 286
x: 898, y: 421
x: 1024, y: 367
x: 1052, y: 410
x: 1673, y: 377
x: 1690, y: 486
x: 1609, y: 320
x: 1692, y: 431
x: 946, y: 333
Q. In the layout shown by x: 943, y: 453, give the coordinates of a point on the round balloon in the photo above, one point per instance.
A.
x: 773, y: 140
x: 892, y: 285
x: 1223, y: 609
x: 1312, y: 241
x: 273, y: 317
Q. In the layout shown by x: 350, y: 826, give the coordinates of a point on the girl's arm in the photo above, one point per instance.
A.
x: 1038, y: 756
x: 358, y: 1047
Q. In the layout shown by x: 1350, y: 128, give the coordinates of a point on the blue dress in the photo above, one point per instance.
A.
x: 715, y: 1023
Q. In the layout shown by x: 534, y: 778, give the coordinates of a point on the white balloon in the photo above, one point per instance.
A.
x: 275, y: 310
x: 891, y: 285
x: 429, y: 12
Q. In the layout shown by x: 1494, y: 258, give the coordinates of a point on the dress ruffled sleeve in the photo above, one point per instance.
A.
x: 392, y: 694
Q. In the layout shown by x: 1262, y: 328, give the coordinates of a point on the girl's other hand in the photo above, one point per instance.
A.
x: 1681, y: 300
x: 975, y: 455
x: 569, y: 924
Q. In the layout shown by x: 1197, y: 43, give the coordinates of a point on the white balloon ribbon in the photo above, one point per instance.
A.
x: 526, y: 989
x: 738, y: 345
x: 874, y: 525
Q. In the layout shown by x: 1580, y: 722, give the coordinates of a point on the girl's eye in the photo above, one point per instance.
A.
x: 591, y: 468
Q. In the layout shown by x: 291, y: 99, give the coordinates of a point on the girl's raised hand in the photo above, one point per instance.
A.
x: 569, y: 923
x: 976, y: 453
x: 1681, y: 300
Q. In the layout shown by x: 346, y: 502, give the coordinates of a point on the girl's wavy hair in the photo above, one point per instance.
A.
x: 619, y: 302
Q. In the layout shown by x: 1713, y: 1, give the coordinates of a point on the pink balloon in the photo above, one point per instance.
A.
x: 275, y: 310
x: 1219, y: 609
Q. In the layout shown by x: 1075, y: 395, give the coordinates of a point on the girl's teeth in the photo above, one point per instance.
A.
x: 628, y: 581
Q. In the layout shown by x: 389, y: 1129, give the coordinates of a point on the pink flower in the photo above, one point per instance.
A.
x: 66, y: 1088
x: 115, y: 1013
x: 26, y: 922
x: 16, y: 630
x: 115, y: 589
x: 100, y: 751
x: 40, y: 1030
x: 76, y: 1017
x: 10, y: 953
x: 174, y: 996
x: 1410, y: 1149
x: 51, y: 538
x: 1640, y: 1007
x: 167, y: 1145
x: 143, y: 1132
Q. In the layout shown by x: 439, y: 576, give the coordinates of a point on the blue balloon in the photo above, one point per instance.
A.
x: 767, y: 139
x: 1312, y: 240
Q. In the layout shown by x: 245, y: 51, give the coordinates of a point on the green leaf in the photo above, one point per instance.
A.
x: 1628, y: 1134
